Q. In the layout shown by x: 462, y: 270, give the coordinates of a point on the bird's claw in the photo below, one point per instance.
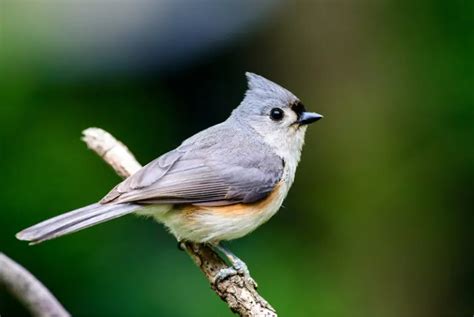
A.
x: 224, y: 274
x: 239, y: 268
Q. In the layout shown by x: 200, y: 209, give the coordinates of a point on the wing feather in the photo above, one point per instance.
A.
x: 203, y: 173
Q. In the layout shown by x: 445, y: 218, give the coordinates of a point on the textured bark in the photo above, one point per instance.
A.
x: 28, y: 290
x: 237, y: 291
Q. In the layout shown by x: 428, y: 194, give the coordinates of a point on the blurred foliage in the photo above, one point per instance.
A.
x: 379, y: 221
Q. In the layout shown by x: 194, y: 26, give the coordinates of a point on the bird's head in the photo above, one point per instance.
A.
x: 274, y: 113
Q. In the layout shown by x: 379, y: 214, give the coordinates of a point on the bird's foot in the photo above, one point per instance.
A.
x: 228, y: 272
x: 224, y: 274
x: 238, y: 268
x: 241, y: 267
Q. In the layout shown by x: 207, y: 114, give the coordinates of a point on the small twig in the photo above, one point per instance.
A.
x: 237, y: 291
x: 114, y: 152
x: 28, y: 290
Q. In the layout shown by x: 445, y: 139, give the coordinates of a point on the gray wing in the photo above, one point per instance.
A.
x: 204, y: 173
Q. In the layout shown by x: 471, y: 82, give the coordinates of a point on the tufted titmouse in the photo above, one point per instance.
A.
x: 220, y: 184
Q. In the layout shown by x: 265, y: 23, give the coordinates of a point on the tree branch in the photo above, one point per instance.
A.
x: 28, y: 290
x: 237, y: 291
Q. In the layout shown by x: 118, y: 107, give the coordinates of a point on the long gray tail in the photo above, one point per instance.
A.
x: 74, y: 221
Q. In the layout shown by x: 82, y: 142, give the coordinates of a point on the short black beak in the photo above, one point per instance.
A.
x: 308, y: 117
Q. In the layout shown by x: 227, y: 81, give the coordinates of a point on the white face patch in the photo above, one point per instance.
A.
x: 288, y: 145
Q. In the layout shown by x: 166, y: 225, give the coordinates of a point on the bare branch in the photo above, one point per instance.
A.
x: 237, y: 291
x: 114, y: 152
x: 28, y: 290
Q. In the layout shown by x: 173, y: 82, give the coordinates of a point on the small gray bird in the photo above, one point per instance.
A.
x: 220, y: 184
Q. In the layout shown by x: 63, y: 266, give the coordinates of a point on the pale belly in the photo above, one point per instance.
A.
x: 212, y: 224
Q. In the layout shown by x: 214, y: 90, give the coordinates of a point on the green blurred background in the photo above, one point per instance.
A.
x: 379, y: 221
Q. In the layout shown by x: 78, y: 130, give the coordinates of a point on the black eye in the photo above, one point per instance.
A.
x: 276, y: 114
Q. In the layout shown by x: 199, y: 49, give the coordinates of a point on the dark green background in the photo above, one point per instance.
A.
x: 379, y: 221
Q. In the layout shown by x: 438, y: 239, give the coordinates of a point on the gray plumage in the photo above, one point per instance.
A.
x: 238, y: 161
x: 202, y: 171
x: 73, y: 221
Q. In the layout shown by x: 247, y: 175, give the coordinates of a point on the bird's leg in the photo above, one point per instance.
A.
x: 238, y: 266
x: 237, y: 263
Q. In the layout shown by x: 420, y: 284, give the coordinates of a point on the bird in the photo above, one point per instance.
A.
x: 218, y: 185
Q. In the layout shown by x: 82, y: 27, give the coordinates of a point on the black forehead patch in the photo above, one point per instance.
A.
x: 298, y: 108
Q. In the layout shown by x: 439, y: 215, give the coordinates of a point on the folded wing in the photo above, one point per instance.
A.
x: 204, y: 175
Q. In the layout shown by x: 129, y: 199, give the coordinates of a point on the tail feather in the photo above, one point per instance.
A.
x: 74, y: 221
